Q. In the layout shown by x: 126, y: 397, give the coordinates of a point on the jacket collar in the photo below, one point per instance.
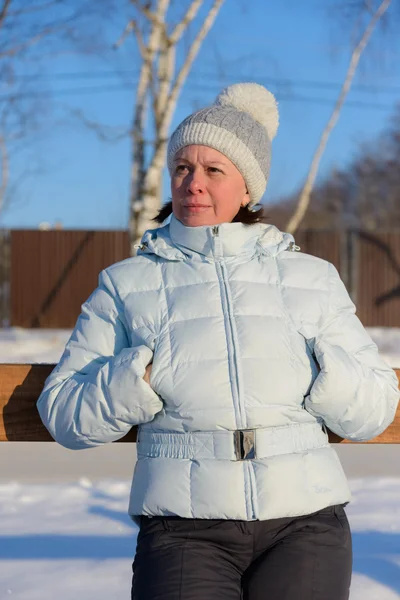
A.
x: 224, y: 240
x: 177, y: 241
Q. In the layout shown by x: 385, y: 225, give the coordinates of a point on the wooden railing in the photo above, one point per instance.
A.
x: 20, y: 386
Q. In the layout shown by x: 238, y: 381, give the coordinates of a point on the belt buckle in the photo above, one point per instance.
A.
x: 245, y: 444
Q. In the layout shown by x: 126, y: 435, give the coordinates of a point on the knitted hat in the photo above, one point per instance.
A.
x: 241, y: 124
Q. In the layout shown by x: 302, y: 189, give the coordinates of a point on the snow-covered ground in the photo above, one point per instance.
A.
x: 75, y: 540
x: 19, y: 345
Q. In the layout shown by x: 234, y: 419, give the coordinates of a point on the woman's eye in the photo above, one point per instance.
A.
x: 181, y: 168
x: 214, y: 170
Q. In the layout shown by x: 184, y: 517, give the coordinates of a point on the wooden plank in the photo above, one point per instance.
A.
x: 20, y: 389
x: 20, y: 421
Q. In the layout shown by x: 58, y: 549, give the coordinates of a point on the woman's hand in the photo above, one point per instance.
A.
x: 147, y: 374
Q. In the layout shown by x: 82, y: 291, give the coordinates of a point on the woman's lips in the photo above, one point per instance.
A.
x: 196, y: 207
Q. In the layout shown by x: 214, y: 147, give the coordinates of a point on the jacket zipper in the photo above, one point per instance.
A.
x: 240, y: 416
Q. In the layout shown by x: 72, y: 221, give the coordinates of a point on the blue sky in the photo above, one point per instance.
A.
x: 294, y: 48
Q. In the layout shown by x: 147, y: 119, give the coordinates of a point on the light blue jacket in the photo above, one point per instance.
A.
x: 246, y: 335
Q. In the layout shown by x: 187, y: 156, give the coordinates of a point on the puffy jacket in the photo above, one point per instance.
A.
x: 256, y: 349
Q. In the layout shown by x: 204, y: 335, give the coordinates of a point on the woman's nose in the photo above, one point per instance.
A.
x: 194, y: 184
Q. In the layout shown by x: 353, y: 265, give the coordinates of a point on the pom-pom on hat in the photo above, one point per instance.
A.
x: 241, y: 124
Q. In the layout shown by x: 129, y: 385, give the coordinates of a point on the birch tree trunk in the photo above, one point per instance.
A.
x: 138, y: 164
x: 158, y: 80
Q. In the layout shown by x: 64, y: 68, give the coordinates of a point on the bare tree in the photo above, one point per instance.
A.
x: 158, y: 89
x: 362, y: 195
x: 305, y: 195
x: 29, y: 31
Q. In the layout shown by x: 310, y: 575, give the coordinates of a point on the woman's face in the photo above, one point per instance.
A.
x: 206, y: 187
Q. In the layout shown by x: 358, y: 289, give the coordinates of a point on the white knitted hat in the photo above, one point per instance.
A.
x: 241, y: 124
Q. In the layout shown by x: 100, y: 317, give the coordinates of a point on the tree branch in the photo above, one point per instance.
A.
x: 139, y: 38
x: 128, y: 29
x: 153, y: 17
x: 106, y: 133
x: 305, y: 195
x: 4, y: 11
x: 132, y: 26
x: 32, y: 41
x: 187, y: 19
x: 32, y: 9
x: 166, y: 65
x: 184, y: 71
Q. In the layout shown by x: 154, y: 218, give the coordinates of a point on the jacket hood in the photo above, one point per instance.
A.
x: 175, y: 241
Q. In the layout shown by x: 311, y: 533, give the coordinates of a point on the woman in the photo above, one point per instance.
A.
x: 232, y: 352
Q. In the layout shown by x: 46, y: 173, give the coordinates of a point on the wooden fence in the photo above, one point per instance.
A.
x: 377, y: 293
x: 53, y: 272
x: 20, y: 421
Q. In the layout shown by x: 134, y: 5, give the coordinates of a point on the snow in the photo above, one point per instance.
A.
x: 388, y: 341
x: 18, y: 345
x: 75, y: 539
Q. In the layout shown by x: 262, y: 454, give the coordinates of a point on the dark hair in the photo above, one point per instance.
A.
x: 245, y: 215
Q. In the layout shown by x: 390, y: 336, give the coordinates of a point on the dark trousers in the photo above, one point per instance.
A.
x: 301, y: 558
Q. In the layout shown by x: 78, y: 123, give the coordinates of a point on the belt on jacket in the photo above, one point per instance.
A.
x: 242, y: 444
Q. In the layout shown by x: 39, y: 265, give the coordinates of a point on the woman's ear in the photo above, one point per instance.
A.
x: 245, y: 200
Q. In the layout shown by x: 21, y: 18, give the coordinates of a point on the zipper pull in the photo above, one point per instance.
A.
x: 293, y: 247
x: 142, y: 246
x: 215, y: 230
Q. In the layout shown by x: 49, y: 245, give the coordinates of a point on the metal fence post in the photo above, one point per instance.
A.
x: 349, y: 261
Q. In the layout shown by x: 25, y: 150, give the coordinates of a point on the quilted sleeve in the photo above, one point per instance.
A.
x: 356, y: 393
x: 97, y: 392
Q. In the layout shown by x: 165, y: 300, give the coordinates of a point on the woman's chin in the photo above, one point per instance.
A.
x: 196, y: 217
